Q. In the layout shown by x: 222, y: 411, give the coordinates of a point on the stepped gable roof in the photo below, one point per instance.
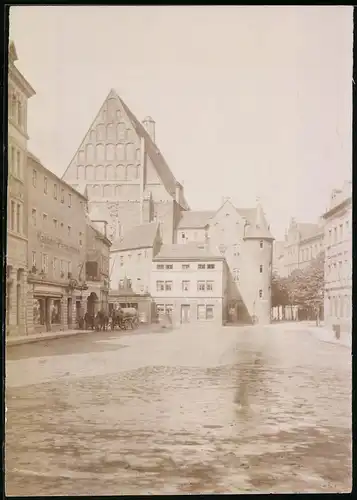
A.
x: 153, y: 151
x: 142, y: 236
x: 187, y: 251
x: 195, y: 219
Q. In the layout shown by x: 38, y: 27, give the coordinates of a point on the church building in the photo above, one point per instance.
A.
x: 119, y: 167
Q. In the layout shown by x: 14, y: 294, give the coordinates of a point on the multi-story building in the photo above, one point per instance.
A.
x: 189, y: 284
x: 19, y: 91
x: 338, y: 259
x: 96, y: 268
x: 303, y: 242
x: 124, y: 173
x: 56, y: 249
x: 131, y: 258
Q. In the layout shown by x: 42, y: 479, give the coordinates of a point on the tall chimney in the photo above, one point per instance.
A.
x: 149, y: 125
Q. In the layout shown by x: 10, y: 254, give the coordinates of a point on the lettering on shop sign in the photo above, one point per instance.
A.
x: 48, y: 240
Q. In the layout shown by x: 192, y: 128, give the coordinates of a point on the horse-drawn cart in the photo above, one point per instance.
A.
x: 125, y: 318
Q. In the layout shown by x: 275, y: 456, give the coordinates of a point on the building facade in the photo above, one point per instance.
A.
x: 188, y: 284
x: 131, y: 258
x: 56, y: 254
x: 124, y: 173
x: 96, y: 295
x: 338, y: 259
x: 19, y: 91
x: 303, y: 242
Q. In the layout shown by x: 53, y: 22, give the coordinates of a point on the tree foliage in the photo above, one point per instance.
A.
x: 303, y: 287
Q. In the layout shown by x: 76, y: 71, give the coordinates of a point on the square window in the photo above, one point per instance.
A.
x: 201, y: 286
x: 209, y: 312
x: 168, y: 286
x: 185, y: 286
x: 169, y: 266
x: 209, y: 286
x: 185, y: 266
x: 201, y: 266
x: 160, y: 266
x: 211, y: 266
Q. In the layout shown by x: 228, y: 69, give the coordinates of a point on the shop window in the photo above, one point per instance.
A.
x: 56, y: 312
x: 39, y: 315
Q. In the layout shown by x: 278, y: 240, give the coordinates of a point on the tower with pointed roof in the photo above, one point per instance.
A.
x: 121, y: 167
x: 258, y: 245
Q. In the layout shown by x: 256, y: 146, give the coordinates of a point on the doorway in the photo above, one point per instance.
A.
x: 185, y: 313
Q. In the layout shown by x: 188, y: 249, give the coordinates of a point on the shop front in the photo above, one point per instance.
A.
x: 52, y: 308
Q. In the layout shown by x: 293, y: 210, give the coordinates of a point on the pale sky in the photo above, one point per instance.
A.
x: 248, y: 101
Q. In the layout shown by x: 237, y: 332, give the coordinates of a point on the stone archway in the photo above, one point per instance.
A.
x: 92, y: 304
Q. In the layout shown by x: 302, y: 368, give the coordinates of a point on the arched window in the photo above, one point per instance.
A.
x: 121, y: 172
x: 81, y: 156
x: 107, y: 191
x: 130, y: 151
x: 89, y: 172
x: 120, y: 152
x: 100, y: 132
x: 109, y: 173
x: 99, y: 173
x: 90, y: 153
x: 110, y: 152
x: 121, y: 132
x: 80, y: 172
x: 100, y: 152
x: 111, y: 133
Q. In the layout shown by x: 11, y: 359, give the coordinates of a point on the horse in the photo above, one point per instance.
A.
x: 89, y: 320
x: 102, y: 320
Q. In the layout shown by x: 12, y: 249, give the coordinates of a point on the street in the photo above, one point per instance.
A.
x: 196, y: 410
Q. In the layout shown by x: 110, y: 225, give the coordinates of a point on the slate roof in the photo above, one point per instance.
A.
x: 142, y: 236
x: 195, y: 219
x: 188, y: 251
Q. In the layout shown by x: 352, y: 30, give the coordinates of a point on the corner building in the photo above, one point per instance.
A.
x: 19, y: 92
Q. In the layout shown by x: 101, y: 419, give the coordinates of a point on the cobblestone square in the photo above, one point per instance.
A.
x: 202, y: 410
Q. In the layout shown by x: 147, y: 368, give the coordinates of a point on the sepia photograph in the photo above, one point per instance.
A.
x: 178, y: 250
